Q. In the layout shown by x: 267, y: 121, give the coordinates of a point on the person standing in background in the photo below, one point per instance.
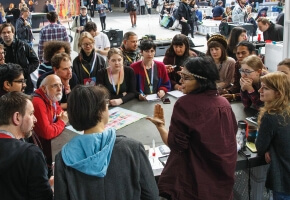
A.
x: 23, y: 27
x: 78, y: 26
x: 52, y: 31
x: 148, y: 4
x: 102, y: 9
x: 239, y: 14
x: 132, y: 9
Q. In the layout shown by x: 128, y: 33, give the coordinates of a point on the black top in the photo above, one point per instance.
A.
x: 128, y: 85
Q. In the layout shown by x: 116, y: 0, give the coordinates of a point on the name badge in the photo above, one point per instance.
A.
x: 90, y: 81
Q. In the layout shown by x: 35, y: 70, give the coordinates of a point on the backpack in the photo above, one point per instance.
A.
x: 132, y: 5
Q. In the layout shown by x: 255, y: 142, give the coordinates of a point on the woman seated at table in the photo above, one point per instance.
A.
x: 201, y: 136
x: 217, y: 46
x: 237, y: 35
x: 274, y: 128
x: 119, y: 80
x: 99, y: 164
x: 251, y: 70
x: 174, y: 57
x: 151, y: 75
x: 88, y: 62
x: 51, y: 48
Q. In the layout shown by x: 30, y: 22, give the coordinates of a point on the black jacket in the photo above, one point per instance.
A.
x: 25, y: 56
x: 184, y: 11
x: 23, y: 32
x: 274, y: 32
x: 23, y: 171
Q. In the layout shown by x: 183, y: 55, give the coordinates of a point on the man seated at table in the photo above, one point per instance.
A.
x: 61, y: 65
x: 243, y: 50
x: 23, y: 169
x: 51, y: 119
x: 130, y: 49
x: 271, y: 31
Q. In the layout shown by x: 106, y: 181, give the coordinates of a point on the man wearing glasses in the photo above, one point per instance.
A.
x: 19, y: 52
x: 51, y: 119
x: 243, y: 50
x: 2, y: 54
x: 11, y: 78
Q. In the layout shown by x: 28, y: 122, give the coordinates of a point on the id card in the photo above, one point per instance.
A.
x: 90, y: 81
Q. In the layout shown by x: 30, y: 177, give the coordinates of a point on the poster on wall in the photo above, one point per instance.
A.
x: 67, y: 8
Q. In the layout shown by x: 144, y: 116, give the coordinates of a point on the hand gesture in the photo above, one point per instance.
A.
x: 246, y: 84
x: 158, y: 118
x: 169, y: 68
x: 63, y: 116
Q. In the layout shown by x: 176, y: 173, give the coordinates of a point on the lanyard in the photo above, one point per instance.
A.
x: 113, y: 83
x: 93, y: 66
x: 128, y: 58
x: 7, y: 133
x: 150, y: 84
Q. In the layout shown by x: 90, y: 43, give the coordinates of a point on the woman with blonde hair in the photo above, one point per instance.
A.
x: 2, y: 15
x: 119, y: 80
x: 274, y: 132
x: 88, y: 62
x: 251, y: 71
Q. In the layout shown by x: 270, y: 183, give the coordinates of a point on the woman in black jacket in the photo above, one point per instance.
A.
x: 184, y: 15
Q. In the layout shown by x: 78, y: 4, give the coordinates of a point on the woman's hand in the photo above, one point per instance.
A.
x: 160, y: 93
x: 142, y: 97
x: 116, y: 102
x: 158, y: 118
x: 169, y: 68
x: 267, y: 157
x: 246, y: 84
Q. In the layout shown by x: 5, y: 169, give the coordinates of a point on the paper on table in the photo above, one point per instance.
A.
x: 152, y: 97
x: 176, y: 93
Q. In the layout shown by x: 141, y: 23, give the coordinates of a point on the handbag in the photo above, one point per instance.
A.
x: 164, y: 22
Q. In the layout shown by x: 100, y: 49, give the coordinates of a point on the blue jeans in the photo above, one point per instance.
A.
x: 280, y: 196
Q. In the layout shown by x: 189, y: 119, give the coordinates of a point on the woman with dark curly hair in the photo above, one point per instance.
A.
x: 201, y: 136
x: 174, y: 57
x: 49, y: 50
x: 237, y: 35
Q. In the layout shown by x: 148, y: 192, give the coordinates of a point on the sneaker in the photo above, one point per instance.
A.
x: 135, y: 25
x: 171, y: 28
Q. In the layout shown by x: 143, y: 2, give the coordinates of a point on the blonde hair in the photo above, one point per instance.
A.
x: 85, y: 35
x: 254, y: 62
x: 280, y: 83
x: 2, y: 11
x: 114, y: 51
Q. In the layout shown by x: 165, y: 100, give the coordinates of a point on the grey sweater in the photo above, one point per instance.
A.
x: 129, y: 176
x: 274, y: 137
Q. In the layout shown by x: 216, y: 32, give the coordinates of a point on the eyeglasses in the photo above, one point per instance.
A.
x: 56, y: 86
x: 186, y: 78
x: 247, y: 72
x: 3, y: 53
x: 87, y: 44
x: 22, y: 81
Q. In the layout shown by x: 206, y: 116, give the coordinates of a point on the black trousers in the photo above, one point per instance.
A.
x: 103, y: 22
x: 185, y: 28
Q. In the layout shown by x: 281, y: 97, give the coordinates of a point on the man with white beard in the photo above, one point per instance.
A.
x: 51, y: 119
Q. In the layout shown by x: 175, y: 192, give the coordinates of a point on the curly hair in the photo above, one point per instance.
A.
x: 53, y: 46
x: 279, y: 82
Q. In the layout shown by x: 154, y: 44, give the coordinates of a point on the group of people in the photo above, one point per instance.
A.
x: 202, y: 161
